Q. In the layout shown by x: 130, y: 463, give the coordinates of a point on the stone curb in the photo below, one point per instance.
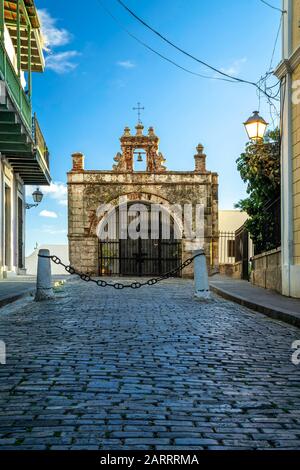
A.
x: 14, y: 298
x: 283, y: 315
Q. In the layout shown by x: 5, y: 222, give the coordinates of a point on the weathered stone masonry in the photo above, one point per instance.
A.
x: 87, y: 189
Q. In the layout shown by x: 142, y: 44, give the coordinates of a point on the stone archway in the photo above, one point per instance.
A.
x: 138, y: 197
x: 150, y: 254
x: 87, y: 189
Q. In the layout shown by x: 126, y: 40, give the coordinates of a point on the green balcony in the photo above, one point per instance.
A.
x: 21, y: 139
x: 26, y: 151
x: 14, y: 88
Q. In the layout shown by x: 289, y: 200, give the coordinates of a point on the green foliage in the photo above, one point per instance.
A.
x: 259, y: 167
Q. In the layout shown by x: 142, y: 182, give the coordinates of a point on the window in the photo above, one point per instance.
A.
x: 230, y: 248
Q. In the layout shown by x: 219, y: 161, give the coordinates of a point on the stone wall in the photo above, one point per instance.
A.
x: 87, y: 190
x: 266, y: 270
x: 237, y: 270
x: 233, y: 270
x: 226, y: 269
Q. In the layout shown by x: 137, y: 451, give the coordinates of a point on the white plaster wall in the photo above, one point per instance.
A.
x: 62, y: 251
x: 12, y: 54
x: 231, y: 220
x: 17, y: 190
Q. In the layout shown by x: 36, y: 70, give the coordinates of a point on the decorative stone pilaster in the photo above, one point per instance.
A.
x: 139, y: 129
x: 78, y: 161
x: 126, y: 132
x: 200, y: 159
x: 151, y: 132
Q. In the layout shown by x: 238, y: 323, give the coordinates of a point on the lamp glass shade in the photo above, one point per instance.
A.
x: 37, y: 196
x: 256, y: 127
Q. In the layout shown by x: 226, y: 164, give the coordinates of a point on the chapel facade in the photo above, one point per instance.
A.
x: 155, y: 185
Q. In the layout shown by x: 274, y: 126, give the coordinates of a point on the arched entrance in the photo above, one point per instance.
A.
x: 154, y: 251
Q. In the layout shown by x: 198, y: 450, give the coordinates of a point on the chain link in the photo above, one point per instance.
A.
x: 119, y: 285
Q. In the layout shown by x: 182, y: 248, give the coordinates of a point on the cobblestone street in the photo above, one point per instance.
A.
x: 146, y: 369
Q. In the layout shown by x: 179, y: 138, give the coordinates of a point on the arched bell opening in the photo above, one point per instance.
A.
x: 139, y: 160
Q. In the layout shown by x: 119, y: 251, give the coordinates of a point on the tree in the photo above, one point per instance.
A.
x: 259, y: 167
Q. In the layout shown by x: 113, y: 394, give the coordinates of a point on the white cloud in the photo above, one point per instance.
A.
x: 53, y: 36
x: 50, y: 214
x: 63, y: 202
x: 57, y: 191
x: 53, y: 231
x: 235, y: 67
x: 61, y: 62
x: 126, y: 64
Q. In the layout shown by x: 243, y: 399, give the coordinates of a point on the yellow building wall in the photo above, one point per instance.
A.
x: 296, y: 139
x: 295, y: 27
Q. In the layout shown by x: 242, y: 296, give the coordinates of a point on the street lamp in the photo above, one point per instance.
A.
x: 256, y: 127
x: 37, y: 197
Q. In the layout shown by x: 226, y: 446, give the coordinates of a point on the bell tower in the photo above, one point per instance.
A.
x: 155, y: 187
x: 129, y: 143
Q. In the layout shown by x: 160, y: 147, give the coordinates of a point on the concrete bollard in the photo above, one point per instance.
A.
x: 44, y: 289
x: 200, y: 276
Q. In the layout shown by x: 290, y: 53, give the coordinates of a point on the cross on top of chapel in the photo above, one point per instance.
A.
x: 139, y: 108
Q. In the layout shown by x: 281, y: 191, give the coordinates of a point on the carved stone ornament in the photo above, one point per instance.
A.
x: 149, y: 143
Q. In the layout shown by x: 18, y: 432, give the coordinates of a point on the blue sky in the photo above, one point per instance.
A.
x: 96, y: 73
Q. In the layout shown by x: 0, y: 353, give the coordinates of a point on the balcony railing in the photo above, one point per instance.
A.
x: 39, y: 140
x: 14, y: 86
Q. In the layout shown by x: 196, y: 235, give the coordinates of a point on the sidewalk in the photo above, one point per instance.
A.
x: 256, y: 298
x: 15, y: 288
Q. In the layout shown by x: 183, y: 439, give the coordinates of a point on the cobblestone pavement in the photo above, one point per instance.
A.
x: 146, y: 369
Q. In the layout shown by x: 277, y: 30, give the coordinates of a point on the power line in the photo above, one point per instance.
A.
x: 262, y: 82
x: 231, y: 77
x: 272, y: 108
x: 158, y: 53
x: 272, y: 6
x: 177, y: 47
x: 275, y: 45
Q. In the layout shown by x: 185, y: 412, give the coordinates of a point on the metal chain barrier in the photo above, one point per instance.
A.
x: 118, y: 285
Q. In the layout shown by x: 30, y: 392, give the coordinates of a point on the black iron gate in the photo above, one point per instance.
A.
x: 242, y: 250
x: 140, y: 257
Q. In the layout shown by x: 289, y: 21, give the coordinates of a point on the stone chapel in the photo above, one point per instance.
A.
x: 89, y: 189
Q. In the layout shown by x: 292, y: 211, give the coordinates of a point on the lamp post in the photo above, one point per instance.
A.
x: 37, y: 197
x: 256, y: 127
